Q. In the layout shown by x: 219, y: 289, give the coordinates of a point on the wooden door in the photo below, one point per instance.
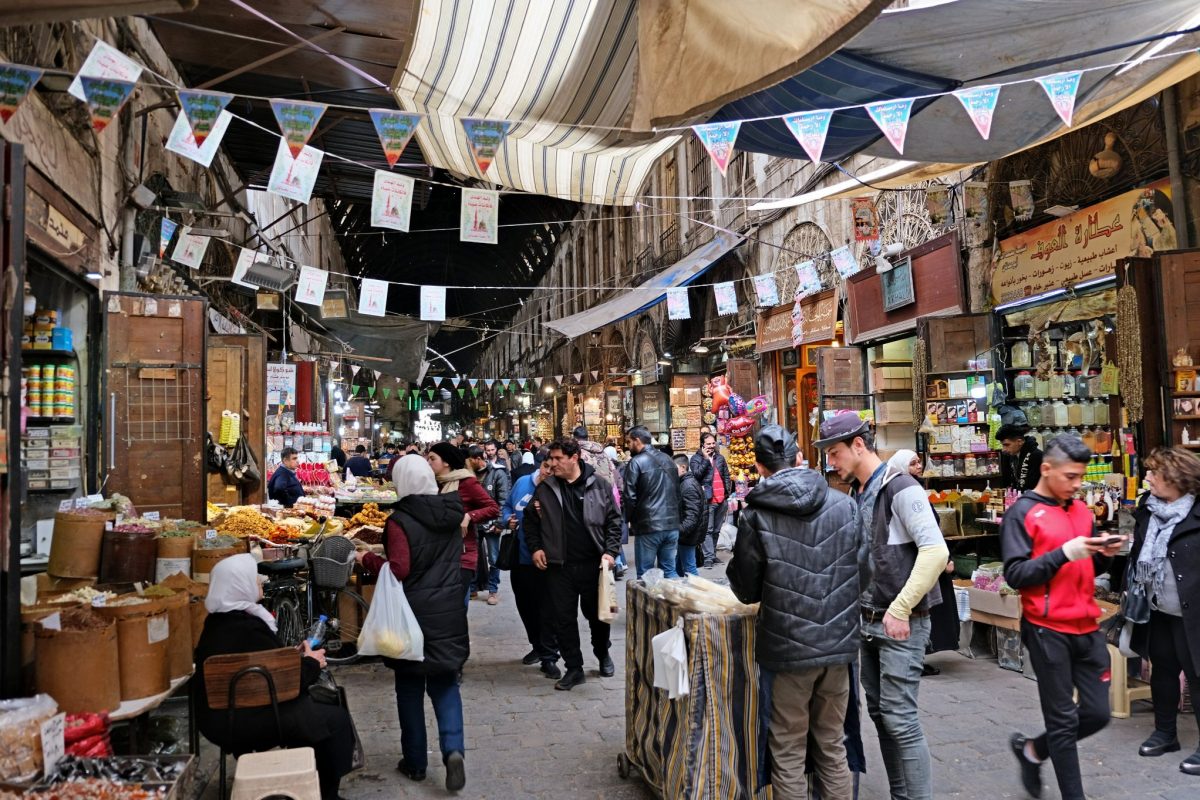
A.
x: 226, y: 369
x: 154, y: 402
x: 953, y: 341
x: 236, y: 380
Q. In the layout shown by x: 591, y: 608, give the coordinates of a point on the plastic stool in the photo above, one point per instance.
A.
x: 292, y: 773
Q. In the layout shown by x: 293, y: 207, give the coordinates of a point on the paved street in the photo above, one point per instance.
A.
x: 525, y: 740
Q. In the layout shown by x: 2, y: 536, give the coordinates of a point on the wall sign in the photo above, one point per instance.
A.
x: 898, y: 285
x: 774, y: 329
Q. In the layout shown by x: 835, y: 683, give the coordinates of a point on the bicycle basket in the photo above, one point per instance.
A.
x: 333, y: 562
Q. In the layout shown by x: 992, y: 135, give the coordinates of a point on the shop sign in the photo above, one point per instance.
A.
x: 819, y: 320
x: 775, y: 329
x: 52, y: 228
x: 1085, y: 245
x: 647, y: 357
x: 281, y: 384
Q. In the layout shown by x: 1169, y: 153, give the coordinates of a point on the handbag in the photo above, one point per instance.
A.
x: 1135, y: 605
x: 325, y: 690
x: 510, y: 551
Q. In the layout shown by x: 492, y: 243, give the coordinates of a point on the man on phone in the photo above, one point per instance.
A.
x: 1052, y: 558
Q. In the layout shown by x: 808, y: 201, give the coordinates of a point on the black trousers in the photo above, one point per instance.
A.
x: 530, y: 589
x: 1170, y: 655
x: 1065, y: 663
x: 573, y: 585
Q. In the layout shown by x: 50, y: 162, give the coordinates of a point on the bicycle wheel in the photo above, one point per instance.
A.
x: 287, y: 621
x: 346, y: 611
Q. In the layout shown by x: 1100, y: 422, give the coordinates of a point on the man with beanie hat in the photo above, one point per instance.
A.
x: 794, y: 536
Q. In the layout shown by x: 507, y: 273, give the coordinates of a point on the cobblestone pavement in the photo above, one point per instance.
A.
x: 525, y: 740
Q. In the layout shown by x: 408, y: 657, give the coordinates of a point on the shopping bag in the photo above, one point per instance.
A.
x: 727, y: 536
x: 509, y: 554
x: 670, y: 662
x: 390, y: 629
x: 607, y: 607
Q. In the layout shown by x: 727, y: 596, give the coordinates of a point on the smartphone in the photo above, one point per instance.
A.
x: 1109, y: 541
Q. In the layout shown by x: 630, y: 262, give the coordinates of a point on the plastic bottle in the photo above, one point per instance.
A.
x: 1034, y: 414
x: 1088, y: 413
x: 1060, y: 413
x: 316, y: 634
x: 1041, y: 387
x: 1021, y: 357
x: 1102, y: 411
x: 1024, y: 385
x: 1075, y: 413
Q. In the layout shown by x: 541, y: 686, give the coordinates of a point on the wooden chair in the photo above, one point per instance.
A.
x: 251, y: 680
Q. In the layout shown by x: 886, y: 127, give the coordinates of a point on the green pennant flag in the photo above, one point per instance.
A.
x: 353, y: 392
x: 429, y: 393
x: 461, y: 392
x: 475, y: 391
x: 387, y: 392
x: 371, y: 392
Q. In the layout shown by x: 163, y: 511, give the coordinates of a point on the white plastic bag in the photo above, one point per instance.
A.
x: 607, y: 608
x: 671, y: 662
x: 727, y: 536
x: 391, y: 629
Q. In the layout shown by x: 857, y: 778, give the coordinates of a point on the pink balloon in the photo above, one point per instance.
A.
x: 741, y: 425
x: 757, y: 406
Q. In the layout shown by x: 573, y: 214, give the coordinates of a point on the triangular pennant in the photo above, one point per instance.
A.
x: 1061, y: 88
x: 15, y: 83
x: 475, y: 391
x: 578, y: 376
x: 538, y: 382
x: 166, y: 231
x: 429, y: 393
x: 488, y: 382
x: 677, y: 303
x: 485, y: 137
x: 892, y: 118
x: 354, y: 368
x: 504, y: 382
x: 386, y: 391
x: 718, y: 139
x: 105, y: 99
x: 202, y: 110
x: 353, y: 391
x: 472, y: 381
x: 980, y: 104
x: 458, y: 379
x: 297, y: 120
x: 810, y: 129
x: 558, y: 379
x: 395, y: 129
x: 595, y: 374
x: 371, y: 392
x: 461, y: 392
x: 376, y: 373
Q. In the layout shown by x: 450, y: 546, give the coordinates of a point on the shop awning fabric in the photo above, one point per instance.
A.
x: 399, y: 340
x: 638, y: 299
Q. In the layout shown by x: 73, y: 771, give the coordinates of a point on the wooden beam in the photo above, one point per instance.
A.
x: 269, y: 58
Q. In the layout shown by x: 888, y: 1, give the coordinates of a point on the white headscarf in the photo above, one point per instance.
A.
x: 413, y: 475
x: 233, y: 586
x: 611, y: 452
x: 901, y: 460
x: 527, y: 458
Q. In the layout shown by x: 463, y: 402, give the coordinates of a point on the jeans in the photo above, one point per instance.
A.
x: 891, y: 676
x: 493, y: 555
x: 656, y: 549
x: 447, y: 707
x: 530, y: 590
x: 1170, y: 655
x: 716, y: 518
x: 572, y: 586
x: 685, y: 563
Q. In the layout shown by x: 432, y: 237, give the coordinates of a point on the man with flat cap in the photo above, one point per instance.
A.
x: 798, y: 553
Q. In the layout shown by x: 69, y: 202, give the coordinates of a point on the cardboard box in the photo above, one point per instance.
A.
x: 37, y: 433
x: 894, y: 411
x: 887, y: 379
x: 37, y: 463
x: 995, y: 620
x: 995, y: 603
x: 64, y: 452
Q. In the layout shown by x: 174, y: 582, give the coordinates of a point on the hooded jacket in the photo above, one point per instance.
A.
x: 651, y: 495
x: 1022, y: 471
x: 693, y: 516
x: 477, y: 503
x: 546, y: 528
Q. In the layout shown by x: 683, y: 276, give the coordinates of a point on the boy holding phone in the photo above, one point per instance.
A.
x: 1052, y: 557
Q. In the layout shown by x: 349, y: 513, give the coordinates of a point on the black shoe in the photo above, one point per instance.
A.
x: 573, y: 678
x: 929, y: 669
x: 551, y: 670
x: 409, y: 772
x: 1191, y: 764
x: 607, y: 668
x: 1031, y: 773
x: 531, y: 658
x: 1159, y: 742
x: 618, y: 573
x: 456, y: 772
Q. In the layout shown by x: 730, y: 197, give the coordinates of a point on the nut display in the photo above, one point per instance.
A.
x: 245, y: 522
x: 370, y: 515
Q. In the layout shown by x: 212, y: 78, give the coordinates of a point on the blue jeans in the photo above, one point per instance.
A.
x: 447, y: 707
x: 685, y: 563
x: 891, y: 676
x: 656, y: 549
x: 493, y: 548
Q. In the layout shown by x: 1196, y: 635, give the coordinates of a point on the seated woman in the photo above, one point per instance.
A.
x: 237, y: 623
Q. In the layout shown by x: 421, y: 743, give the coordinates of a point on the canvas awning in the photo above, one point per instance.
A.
x: 400, y: 340
x: 642, y: 297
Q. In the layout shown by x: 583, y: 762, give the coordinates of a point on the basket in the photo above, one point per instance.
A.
x: 332, y: 563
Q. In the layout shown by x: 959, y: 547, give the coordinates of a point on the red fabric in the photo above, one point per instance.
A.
x: 1067, y: 603
x: 718, y: 487
x: 399, y: 557
x: 480, y: 507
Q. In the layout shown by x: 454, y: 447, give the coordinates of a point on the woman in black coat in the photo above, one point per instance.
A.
x: 236, y: 623
x: 1165, y: 560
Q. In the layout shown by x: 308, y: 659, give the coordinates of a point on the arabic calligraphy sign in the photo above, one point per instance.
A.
x: 1084, y: 245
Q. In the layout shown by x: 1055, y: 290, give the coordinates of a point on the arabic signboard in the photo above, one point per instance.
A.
x: 1085, y: 245
x: 775, y: 329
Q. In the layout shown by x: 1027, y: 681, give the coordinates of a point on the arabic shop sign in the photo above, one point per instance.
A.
x: 1084, y: 245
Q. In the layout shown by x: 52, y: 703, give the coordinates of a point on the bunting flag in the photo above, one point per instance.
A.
x: 1061, y: 88
x: 433, y: 303
x: 808, y: 280
x: 310, y: 289
x: 353, y: 391
x: 558, y: 379
x: 458, y: 379
x: 718, y: 139
x: 372, y: 298
x: 371, y: 392
x: 15, y: 83
x: 937, y: 203
x: 844, y: 261
x: 767, y: 291
x: 190, y: 249
x: 726, y: 296
x: 395, y: 129
x: 980, y: 103
x: 297, y: 120
x: 504, y: 382
x: 295, y: 177
x: 181, y: 141
x: 478, y: 219
x: 461, y: 393
x: 595, y: 375
x: 104, y: 61
x: 677, y: 303
x: 485, y: 137
x: 473, y: 382
x: 202, y: 110
x: 475, y: 391
x: 386, y: 391
x: 166, y: 231
x: 810, y: 129
x: 578, y: 376
x: 488, y: 382
x: 538, y: 382
x: 354, y: 370
x: 105, y: 99
x: 524, y: 382
x: 1021, y: 195
x: 892, y: 118
x: 391, y: 201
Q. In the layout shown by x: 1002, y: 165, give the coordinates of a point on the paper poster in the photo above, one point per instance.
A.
x: 866, y: 220
x: 726, y: 296
x: 310, y: 289
x: 297, y: 120
x: 433, y: 304
x: 166, y: 231
x: 105, y: 61
x: 677, y: 303
x: 15, y: 83
x: 190, y: 249
x: 372, y: 297
x: 391, y: 201
x: 479, y: 216
x: 485, y: 137
x: 767, y: 291
x: 1021, y: 195
x: 718, y: 139
x: 975, y: 200
x: 844, y: 262
x: 810, y: 129
x: 808, y: 280
x: 394, y: 129
x: 182, y: 142
x: 980, y: 103
x: 937, y: 203
x: 203, y: 110
x: 1061, y: 89
x: 892, y: 118
x: 105, y: 99
x: 294, y: 178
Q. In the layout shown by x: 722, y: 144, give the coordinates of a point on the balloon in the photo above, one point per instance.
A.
x: 757, y: 406
x: 737, y: 405
x: 722, y: 426
x: 741, y: 425
x: 720, y: 392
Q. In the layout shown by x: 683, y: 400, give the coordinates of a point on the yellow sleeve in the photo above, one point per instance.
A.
x: 931, y: 561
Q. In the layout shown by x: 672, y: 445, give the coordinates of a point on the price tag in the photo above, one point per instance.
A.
x: 95, y: 498
x: 158, y: 629
x: 120, y: 518
x: 52, y: 622
x: 210, y: 534
x: 81, y: 502
x: 153, y: 515
x: 108, y: 526
x: 65, y: 505
x: 53, y: 746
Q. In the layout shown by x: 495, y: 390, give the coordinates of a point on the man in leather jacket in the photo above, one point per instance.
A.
x: 650, y: 502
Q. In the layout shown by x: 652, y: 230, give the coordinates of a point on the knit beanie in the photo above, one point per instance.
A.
x: 450, y: 454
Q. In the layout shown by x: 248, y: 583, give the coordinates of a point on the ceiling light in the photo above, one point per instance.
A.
x: 702, y: 349
x: 549, y: 389
x: 94, y: 276
x: 265, y: 276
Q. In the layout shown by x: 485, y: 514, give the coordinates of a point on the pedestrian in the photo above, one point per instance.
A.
x: 526, y: 467
x: 575, y: 529
x: 797, y: 533
x: 422, y: 546
x: 284, y: 487
x: 492, y: 475
x: 338, y: 455
x: 1052, y: 558
x: 693, y: 518
x: 907, y: 554
x: 651, y: 504
x: 529, y: 582
x: 593, y: 454
x: 359, y: 465
x: 450, y: 469
x: 537, y: 446
x: 1020, y: 458
x: 1167, y: 567
x: 712, y: 471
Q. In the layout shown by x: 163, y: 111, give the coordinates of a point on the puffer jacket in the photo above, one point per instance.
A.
x: 799, y: 552
x: 592, y: 454
x: 651, y: 496
x: 693, y: 515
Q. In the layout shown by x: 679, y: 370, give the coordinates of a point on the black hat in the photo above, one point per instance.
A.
x: 841, y: 428
x: 775, y: 447
x: 453, y: 457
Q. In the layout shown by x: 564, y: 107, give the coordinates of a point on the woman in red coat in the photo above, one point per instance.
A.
x: 450, y: 468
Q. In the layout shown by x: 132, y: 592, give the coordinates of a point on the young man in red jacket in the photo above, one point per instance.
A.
x: 1052, y: 558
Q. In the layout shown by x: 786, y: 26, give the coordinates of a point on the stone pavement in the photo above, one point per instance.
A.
x: 525, y: 740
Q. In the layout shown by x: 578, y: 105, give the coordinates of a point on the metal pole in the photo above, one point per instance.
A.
x: 1178, y: 198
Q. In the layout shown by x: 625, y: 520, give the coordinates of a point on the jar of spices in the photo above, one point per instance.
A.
x: 1024, y: 386
x: 959, y: 466
x: 1033, y: 414
x: 1083, y: 384
x: 1102, y: 412
x: 1075, y: 413
x: 1041, y: 387
x: 1068, y: 384
x: 1059, y: 416
x: 1021, y: 357
x: 1088, y: 412
x: 1089, y: 439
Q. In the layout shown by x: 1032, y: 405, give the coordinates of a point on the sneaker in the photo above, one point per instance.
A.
x: 1191, y: 764
x: 929, y: 669
x: 531, y: 658
x: 607, y: 668
x: 573, y: 678
x: 1159, y: 742
x: 409, y: 772
x: 551, y: 670
x: 1031, y: 773
x: 456, y: 772
x: 493, y: 599
x: 618, y: 573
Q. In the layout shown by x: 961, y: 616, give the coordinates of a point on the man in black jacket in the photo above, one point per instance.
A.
x: 574, y: 530
x: 651, y: 504
x: 1021, y: 459
x: 284, y: 487
x: 693, y: 519
x: 712, y: 471
x: 800, y: 554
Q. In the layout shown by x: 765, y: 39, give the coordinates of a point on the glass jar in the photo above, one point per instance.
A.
x: 1075, y: 414
x: 1089, y: 439
x: 1041, y: 387
x: 1021, y: 357
x: 994, y: 464
x: 969, y: 466
x: 1059, y: 415
x: 959, y: 466
x: 1024, y: 386
x: 1083, y: 384
x: 1068, y: 385
x: 1102, y: 412
x: 1033, y: 414
x: 1095, y: 385
x: 1088, y: 412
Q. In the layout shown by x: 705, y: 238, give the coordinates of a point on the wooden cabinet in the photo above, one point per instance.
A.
x: 1178, y: 278
x: 236, y: 366
x: 840, y: 371
x: 954, y: 341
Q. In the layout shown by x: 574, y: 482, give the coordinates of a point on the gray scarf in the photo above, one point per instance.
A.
x: 1152, y: 565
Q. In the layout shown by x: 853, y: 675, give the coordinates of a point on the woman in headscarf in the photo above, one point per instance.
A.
x: 422, y: 542
x: 238, y: 623
x: 526, y: 467
x: 449, y: 467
